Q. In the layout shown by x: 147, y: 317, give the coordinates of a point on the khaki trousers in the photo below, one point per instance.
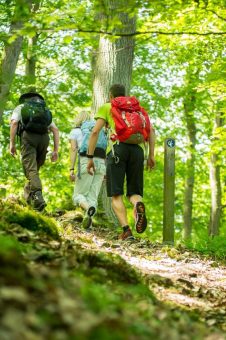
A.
x: 33, y: 155
x: 87, y: 187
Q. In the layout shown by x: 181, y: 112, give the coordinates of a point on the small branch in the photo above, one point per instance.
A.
x: 210, y: 10
x: 129, y: 34
x: 157, y: 32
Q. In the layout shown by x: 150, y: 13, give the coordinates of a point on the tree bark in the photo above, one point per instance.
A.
x: 12, y: 51
x: 189, y: 104
x: 215, y: 184
x: 30, y: 68
x: 8, y: 66
x: 114, y: 59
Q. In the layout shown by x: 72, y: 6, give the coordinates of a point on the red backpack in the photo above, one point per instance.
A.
x: 132, y: 124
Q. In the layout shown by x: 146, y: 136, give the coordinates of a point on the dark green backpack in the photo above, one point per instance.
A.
x: 35, y: 117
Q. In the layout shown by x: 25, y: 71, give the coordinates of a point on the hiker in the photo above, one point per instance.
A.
x: 87, y: 188
x: 126, y: 157
x: 32, y: 121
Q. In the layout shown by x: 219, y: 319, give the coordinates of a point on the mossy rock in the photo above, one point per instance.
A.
x: 28, y: 219
x: 108, y: 266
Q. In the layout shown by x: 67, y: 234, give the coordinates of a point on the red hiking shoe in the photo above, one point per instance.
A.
x: 140, y: 217
x: 126, y: 235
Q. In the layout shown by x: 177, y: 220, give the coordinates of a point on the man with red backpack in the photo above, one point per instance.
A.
x: 130, y: 127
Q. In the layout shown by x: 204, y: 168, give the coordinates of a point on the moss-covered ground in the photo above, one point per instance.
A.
x: 60, y: 282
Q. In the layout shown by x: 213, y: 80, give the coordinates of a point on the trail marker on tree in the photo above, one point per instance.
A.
x: 169, y: 191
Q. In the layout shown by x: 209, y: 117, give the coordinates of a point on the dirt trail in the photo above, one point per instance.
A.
x: 176, y: 276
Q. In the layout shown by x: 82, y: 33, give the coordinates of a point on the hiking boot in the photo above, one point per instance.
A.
x: 38, y: 202
x: 127, y: 234
x: 140, y: 217
x: 87, y: 220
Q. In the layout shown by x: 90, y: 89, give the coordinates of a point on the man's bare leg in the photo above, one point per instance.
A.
x: 134, y: 199
x: 120, y: 210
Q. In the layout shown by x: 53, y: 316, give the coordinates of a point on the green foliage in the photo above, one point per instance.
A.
x: 216, y: 246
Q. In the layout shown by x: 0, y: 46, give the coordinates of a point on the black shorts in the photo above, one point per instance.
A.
x: 130, y: 164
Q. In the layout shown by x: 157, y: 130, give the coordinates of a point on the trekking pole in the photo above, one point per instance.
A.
x: 169, y: 191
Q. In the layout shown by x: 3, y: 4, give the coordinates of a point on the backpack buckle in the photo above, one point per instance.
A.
x: 116, y: 159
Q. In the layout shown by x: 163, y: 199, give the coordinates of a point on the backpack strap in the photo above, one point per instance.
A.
x: 116, y: 158
x: 79, y: 167
x: 123, y: 113
x: 143, y: 118
x: 78, y: 154
x: 19, y: 132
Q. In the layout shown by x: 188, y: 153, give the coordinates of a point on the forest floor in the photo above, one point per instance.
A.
x: 176, y: 276
x: 59, y: 281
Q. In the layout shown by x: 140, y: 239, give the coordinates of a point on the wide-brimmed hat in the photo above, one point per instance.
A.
x: 28, y: 95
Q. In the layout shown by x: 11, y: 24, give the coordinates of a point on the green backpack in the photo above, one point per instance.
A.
x: 35, y: 117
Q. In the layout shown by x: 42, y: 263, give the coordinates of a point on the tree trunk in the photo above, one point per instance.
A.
x: 30, y: 68
x: 190, y: 176
x: 112, y: 64
x: 114, y: 59
x: 12, y: 51
x: 215, y: 184
x: 8, y: 66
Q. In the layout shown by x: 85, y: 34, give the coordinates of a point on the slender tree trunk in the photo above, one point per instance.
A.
x: 190, y: 176
x: 12, y: 51
x: 215, y: 184
x: 30, y: 68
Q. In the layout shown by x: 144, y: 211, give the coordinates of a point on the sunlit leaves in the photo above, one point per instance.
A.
x: 67, y: 39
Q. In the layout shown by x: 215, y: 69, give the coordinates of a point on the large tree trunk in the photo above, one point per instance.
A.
x: 190, y: 171
x: 112, y: 64
x: 8, y: 66
x: 215, y: 184
x: 12, y: 51
x: 114, y: 59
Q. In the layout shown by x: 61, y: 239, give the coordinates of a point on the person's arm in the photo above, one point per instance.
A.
x: 151, y: 156
x: 56, y: 138
x: 100, y: 123
x: 13, y: 130
x: 73, y: 156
